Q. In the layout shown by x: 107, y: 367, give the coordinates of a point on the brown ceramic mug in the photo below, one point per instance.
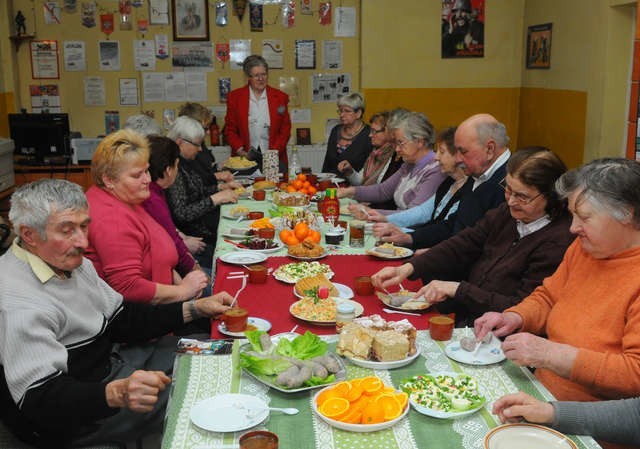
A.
x: 255, y: 215
x: 259, y: 439
x: 363, y: 286
x: 259, y: 195
x: 441, y: 327
x: 257, y: 274
x: 235, y: 319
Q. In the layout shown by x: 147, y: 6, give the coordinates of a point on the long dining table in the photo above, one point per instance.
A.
x: 198, y: 377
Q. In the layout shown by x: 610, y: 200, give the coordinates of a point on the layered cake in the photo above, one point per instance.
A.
x: 374, y: 338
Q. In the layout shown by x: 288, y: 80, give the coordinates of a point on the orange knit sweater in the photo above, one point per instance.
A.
x: 594, y: 305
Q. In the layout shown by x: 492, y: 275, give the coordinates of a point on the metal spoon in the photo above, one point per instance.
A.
x: 401, y: 312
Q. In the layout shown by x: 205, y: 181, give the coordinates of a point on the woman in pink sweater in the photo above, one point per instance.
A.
x: 129, y: 249
x: 581, y: 328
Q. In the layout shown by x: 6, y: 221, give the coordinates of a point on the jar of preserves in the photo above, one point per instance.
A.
x: 345, y: 313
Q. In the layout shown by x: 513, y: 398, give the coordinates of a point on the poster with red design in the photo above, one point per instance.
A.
x: 463, y: 28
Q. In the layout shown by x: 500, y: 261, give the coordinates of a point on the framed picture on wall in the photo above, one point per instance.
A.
x: 539, y: 46
x: 190, y: 20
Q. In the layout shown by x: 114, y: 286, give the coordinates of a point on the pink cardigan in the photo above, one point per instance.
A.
x: 128, y: 248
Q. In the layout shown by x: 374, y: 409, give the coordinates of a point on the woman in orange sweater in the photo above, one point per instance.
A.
x: 589, y: 309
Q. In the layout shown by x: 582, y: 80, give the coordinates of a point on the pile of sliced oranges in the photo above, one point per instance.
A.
x: 299, y: 234
x: 299, y: 184
x: 361, y: 401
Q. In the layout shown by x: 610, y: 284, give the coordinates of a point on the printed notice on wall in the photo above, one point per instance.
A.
x: 144, y: 54
x: 272, y: 52
x: 109, y: 55
x: 45, y: 98
x: 94, y: 92
x: 75, y: 59
x: 128, y: 91
x: 331, y: 55
x: 153, y: 87
x: 239, y: 49
x: 345, y: 22
x: 328, y: 88
x: 44, y: 59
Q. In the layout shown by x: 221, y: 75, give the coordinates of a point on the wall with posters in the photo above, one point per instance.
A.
x: 90, y: 120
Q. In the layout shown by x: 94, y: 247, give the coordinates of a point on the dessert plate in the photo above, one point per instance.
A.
x: 487, y: 354
x: 309, y: 316
x: 344, y: 291
x: 229, y: 412
x: 526, y: 436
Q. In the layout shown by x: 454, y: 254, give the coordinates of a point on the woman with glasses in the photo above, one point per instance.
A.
x: 349, y: 140
x: 506, y: 255
x: 195, y: 207
x: 419, y: 176
x: 580, y: 329
x: 257, y: 117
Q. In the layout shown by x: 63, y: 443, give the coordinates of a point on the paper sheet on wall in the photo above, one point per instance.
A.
x: 273, y: 53
x: 331, y: 55
x: 345, y: 22
x: 44, y: 59
x: 290, y: 86
x: 300, y: 115
x: 144, y: 54
x: 109, y: 52
x: 196, y: 86
x: 75, y: 59
x: 192, y: 56
x: 239, y: 49
x: 94, y: 91
x: 153, y: 87
x: 45, y: 98
x: 128, y: 91
x: 328, y: 88
x: 174, y: 87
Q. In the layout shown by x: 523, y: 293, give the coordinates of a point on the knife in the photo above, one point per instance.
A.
x: 239, y: 245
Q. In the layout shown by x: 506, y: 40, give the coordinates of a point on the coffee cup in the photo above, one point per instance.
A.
x: 259, y: 195
x: 266, y: 233
x: 441, y: 327
x: 257, y: 274
x: 259, y: 439
x: 313, y: 179
x: 255, y: 215
x: 235, y: 319
x: 363, y: 286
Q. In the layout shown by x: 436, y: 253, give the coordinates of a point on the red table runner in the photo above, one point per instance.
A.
x: 271, y: 301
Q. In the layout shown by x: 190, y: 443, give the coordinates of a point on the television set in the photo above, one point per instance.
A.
x: 41, y: 138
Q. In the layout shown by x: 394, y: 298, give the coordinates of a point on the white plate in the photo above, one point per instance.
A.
x: 276, y: 248
x: 356, y: 427
x: 404, y: 252
x: 411, y: 305
x: 259, y: 324
x: 445, y: 415
x: 337, y: 180
x: 383, y: 365
x: 321, y: 256
x: 526, y: 436
x: 356, y: 305
x: 281, y: 276
x: 231, y: 236
x: 344, y: 292
x: 322, y: 176
x: 344, y: 210
x: 229, y: 412
x: 488, y: 354
x: 340, y: 375
x: 243, y: 257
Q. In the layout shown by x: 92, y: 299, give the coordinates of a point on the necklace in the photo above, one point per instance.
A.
x: 350, y: 135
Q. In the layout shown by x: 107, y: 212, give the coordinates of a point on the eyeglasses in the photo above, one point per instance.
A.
x: 401, y: 143
x: 258, y: 76
x: 376, y: 131
x: 345, y: 111
x: 517, y: 197
x: 192, y: 143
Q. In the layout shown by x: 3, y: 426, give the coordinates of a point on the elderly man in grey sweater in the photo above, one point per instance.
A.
x: 66, y: 337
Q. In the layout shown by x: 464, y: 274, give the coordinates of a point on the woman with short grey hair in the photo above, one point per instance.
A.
x: 419, y: 176
x: 581, y: 328
x: 252, y: 61
x: 349, y: 140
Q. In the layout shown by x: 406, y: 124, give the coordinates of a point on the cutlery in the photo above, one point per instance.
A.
x: 364, y: 211
x: 286, y: 411
x: 235, y: 298
x: 239, y: 245
x: 401, y: 312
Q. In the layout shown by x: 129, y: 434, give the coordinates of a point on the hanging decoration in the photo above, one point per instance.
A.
x: 89, y: 14
x: 255, y: 17
x: 221, y: 14
x: 143, y: 25
x: 124, y: 8
x: 306, y: 7
x: 288, y: 14
x: 238, y: 8
x: 52, y: 13
x: 106, y: 24
x: 222, y: 52
x: 70, y: 6
x: 325, y: 13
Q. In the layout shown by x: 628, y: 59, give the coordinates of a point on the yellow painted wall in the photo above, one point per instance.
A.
x: 90, y: 120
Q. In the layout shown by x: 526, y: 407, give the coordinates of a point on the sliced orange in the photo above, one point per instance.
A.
x: 361, y: 402
x: 371, y: 385
x: 390, y: 406
x: 342, y: 389
x: 353, y: 416
x: 326, y: 394
x: 402, y: 399
x: 354, y: 394
x: 335, y: 408
x: 372, y: 414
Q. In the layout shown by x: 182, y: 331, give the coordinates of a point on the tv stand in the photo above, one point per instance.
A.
x: 30, y: 171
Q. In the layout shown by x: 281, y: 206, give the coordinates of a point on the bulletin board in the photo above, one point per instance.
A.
x: 149, y: 61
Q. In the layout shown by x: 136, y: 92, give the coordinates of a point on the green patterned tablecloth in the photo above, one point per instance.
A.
x: 200, y: 377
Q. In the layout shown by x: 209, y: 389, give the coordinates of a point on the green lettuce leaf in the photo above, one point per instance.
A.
x: 254, y: 339
x: 303, y: 347
x: 267, y: 366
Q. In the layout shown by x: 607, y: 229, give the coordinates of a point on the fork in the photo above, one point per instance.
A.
x: 401, y: 312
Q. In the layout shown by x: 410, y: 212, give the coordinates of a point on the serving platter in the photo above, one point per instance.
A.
x: 526, y: 436
x: 230, y: 412
x: 399, y: 253
x: 371, y: 364
x: 340, y: 375
x: 344, y: 292
x: 412, y: 304
x: 360, y: 428
x: 359, y: 310
x: 321, y: 256
x: 276, y: 248
x: 293, y: 272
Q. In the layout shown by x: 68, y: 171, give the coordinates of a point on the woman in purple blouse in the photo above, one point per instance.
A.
x: 419, y: 176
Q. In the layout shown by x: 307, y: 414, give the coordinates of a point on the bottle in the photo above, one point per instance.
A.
x: 331, y: 206
x: 294, y: 164
x: 345, y: 313
x: 214, y: 132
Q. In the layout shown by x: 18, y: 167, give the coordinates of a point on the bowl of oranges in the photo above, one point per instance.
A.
x: 300, y: 232
x: 365, y: 404
x: 300, y: 184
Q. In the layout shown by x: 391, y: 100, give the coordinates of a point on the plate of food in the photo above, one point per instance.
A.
x: 321, y: 311
x: 236, y: 212
x: 293, y: 272
x: 306, y: 251
x: 309, y: 286
x: 322, y: 176
x: 240, y: 164
x: 264, y: 185
x: 237, y: 233
x: 282, y: 373
x: 253, y: 324
x: 390, y: 251
x: 243, y: 257
x: 259, y: 245
x: 403, y: 300
x: 242, y: 192
x: 347, y: 412
x: 443, y: 394
x: 526, y: 436
x: 375, y: 343
x: 487, y: 354
x: 229, y: 412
